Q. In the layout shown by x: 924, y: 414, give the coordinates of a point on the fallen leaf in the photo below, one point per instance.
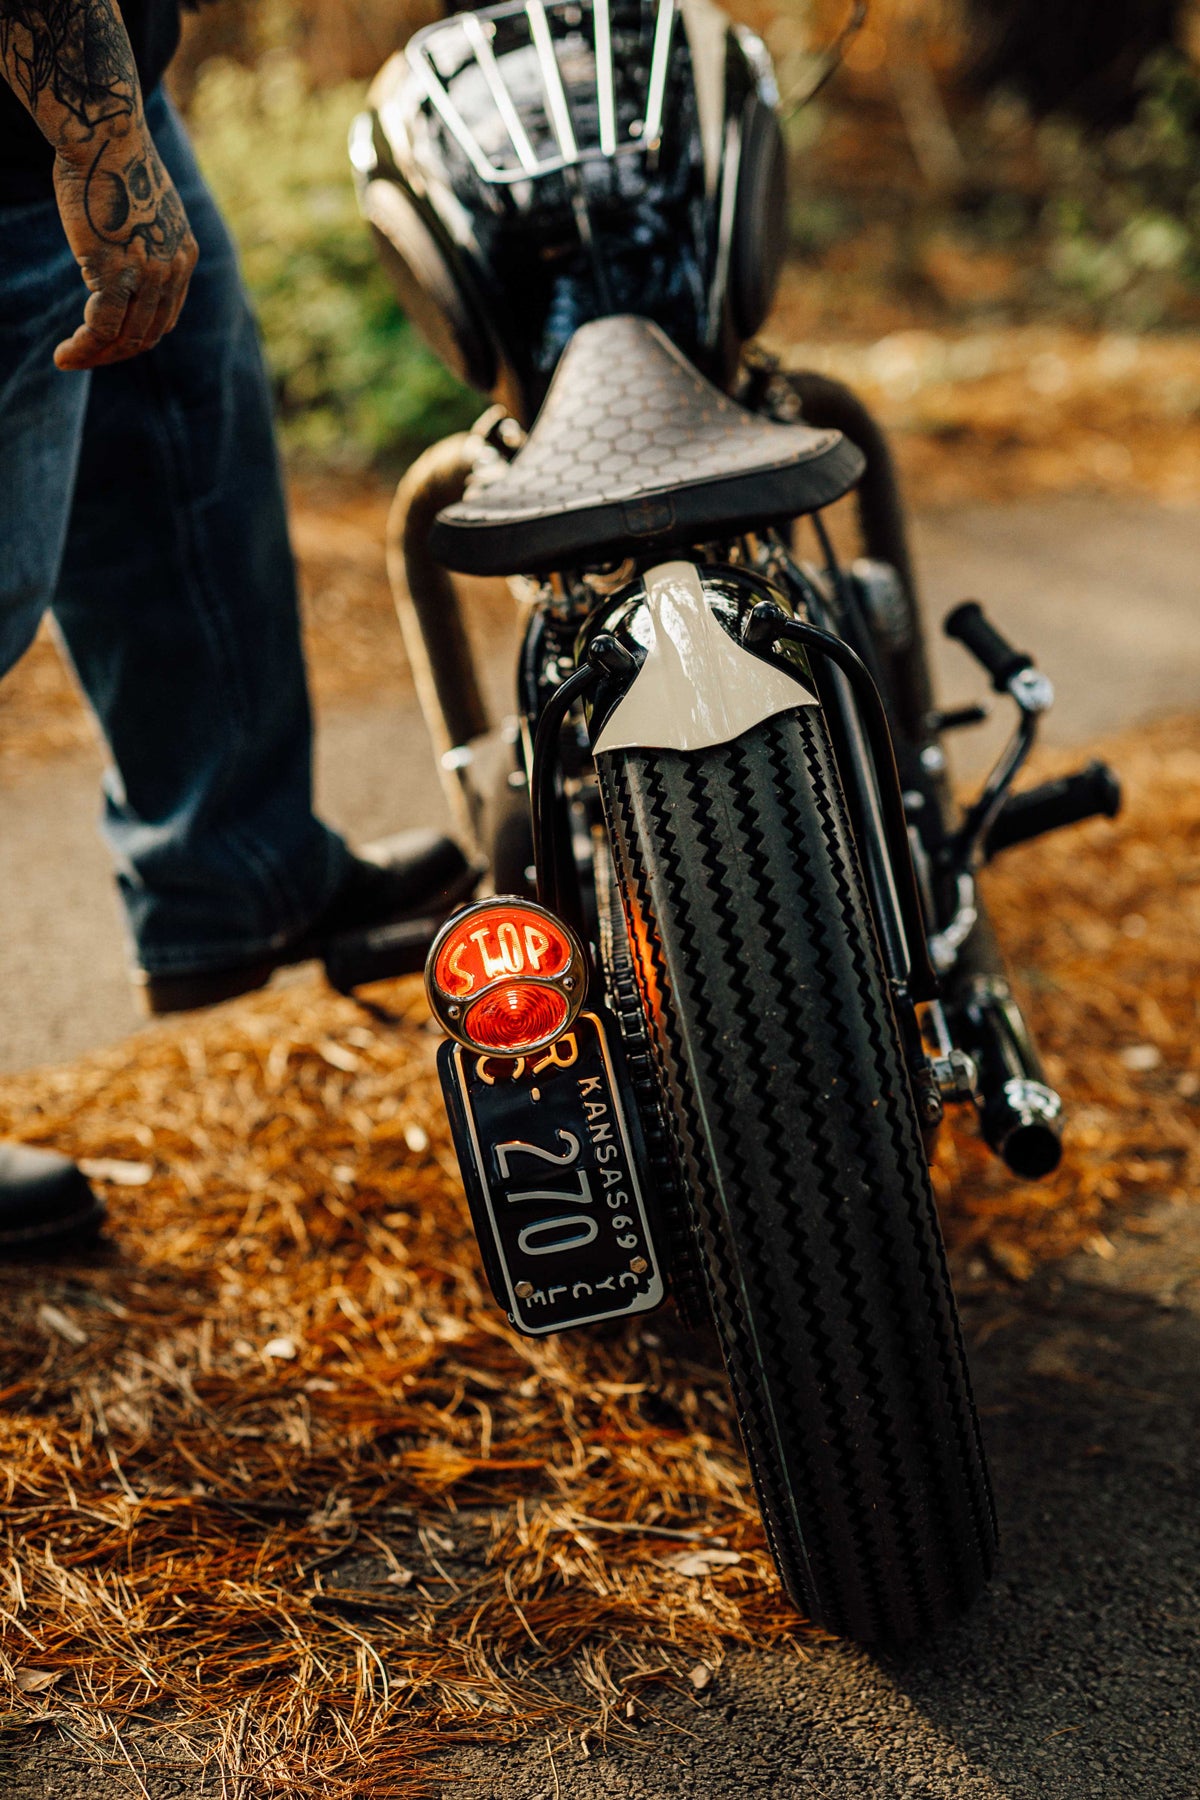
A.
x: 701, y: 1562
x: 1014, y: 1259
x: 57, y: 1321
x: 329, y: 1517
x: 36, y: 1681
x: 700, y: 1677
x: 113, y: 1169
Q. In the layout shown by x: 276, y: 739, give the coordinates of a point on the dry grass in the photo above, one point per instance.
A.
x: 1002, y: 412
x: 285, y: 1496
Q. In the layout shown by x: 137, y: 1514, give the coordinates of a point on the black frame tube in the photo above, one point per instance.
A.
x: 548, y: 837
x: 833, y: 406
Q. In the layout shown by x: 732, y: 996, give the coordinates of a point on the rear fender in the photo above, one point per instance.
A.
x: 696, y: 685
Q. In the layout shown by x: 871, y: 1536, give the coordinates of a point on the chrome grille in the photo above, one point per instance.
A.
x: 546, y: 68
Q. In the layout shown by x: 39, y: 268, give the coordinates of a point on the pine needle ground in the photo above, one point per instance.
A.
x: 288, y: 1506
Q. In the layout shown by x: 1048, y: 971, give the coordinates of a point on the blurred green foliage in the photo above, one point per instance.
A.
x: 1121, y: 216
x: 353, y: 382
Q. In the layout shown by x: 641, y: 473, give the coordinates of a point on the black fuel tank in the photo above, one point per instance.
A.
x: 529, y: 166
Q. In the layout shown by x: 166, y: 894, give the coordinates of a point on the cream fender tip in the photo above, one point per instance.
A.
x: 696, y: 688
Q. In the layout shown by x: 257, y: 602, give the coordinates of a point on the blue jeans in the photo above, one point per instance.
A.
x: 142, y: 504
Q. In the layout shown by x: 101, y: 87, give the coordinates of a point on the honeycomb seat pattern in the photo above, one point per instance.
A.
x: 634, y: 451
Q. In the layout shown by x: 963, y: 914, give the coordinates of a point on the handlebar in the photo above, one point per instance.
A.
x: 971, y: 626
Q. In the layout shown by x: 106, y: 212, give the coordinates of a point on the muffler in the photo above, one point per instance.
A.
x: 1020, y: 1115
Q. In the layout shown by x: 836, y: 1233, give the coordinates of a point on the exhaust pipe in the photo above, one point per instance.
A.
x: 1020, y: 1115
x: 432, y: 624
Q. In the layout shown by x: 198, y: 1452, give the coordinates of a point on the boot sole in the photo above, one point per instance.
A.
x: 75, y: 1232
x: 373, y: 953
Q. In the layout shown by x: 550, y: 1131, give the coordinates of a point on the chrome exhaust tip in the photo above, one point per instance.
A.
x: 1020, y: 1114
x: 1023, y: 1124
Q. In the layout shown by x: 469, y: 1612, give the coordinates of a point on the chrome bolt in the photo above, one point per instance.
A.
x: 523, y: 1290
x: 453, y: 1011
x: 929, y: 1101
x: 955, y: 1076
x: 568, y: 981
x: 1032, y: 691
x: 639, y: 1265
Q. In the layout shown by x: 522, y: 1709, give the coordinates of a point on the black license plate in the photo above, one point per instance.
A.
x: 550, y: 1170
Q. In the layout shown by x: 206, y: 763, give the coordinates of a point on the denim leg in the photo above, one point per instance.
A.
x: 41, y: 416
x: 177, y: 602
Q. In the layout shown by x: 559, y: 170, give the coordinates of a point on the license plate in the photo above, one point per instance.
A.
x: 550, y: 1169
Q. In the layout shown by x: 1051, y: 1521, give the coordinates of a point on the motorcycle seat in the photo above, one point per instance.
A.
x: 635, y: 451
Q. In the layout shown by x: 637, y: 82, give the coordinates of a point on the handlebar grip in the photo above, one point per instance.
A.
x: 969, y: 624
x: 1093, y: 793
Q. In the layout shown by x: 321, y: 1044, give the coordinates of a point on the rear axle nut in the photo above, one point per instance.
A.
x: 955, y: 1076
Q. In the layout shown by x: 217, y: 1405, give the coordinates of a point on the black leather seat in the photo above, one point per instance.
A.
x: 635, y: 450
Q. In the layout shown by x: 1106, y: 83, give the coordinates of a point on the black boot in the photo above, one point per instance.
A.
x: 380, y: 923
x: 46, y: 1204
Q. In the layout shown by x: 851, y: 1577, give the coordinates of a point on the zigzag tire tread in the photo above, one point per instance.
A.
x: 783, y: 1080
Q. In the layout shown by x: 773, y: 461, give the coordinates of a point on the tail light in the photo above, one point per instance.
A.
x: 505, y: 977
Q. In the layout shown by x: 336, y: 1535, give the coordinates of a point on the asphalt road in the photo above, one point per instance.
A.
x: 1076, y: 1677
x: 63, y: 959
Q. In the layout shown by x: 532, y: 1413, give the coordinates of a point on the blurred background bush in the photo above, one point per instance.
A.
x: 354, y: 383
x: 977, y: 162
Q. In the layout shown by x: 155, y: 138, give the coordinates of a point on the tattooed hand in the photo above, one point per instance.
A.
x: 129, y: 233
x: 71, y: 64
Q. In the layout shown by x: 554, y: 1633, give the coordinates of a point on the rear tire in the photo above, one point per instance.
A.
x: 782, y: 1076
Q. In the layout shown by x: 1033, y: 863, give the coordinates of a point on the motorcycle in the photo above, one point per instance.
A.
x: 731, y: 965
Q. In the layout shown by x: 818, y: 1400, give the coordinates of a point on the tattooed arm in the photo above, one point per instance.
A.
x: 70, y: 63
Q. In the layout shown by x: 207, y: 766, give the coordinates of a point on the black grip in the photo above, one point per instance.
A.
x: 969, y: 624
x: 1094, y: 791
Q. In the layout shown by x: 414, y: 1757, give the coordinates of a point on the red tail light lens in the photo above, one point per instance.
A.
x: 496, y: 941
x: 516, y: 1017
x: 505, y: 976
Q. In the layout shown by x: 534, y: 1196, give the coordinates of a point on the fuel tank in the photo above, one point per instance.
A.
x: 527, y: 167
